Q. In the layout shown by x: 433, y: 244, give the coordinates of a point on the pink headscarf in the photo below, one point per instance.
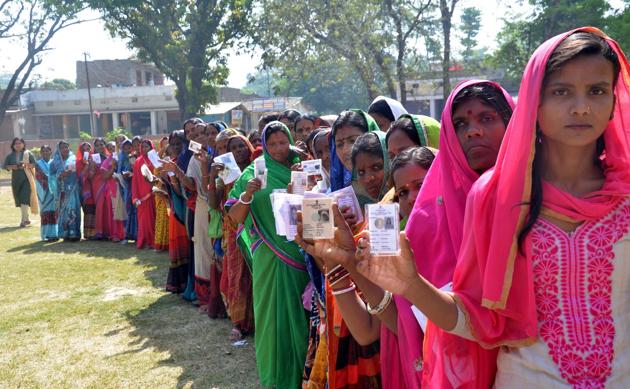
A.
x: 500, y: 307
x: 435, y: 227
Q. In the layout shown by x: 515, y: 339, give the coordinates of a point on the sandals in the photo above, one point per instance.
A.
x: 236, y: 335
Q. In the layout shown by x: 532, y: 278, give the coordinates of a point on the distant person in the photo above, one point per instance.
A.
x: 46, y: 184
x: 21, y: 164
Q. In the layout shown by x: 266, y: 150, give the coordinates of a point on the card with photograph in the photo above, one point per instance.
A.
x: 96, y: 158
x: 195, y: 147
x: 299, y: 182
x: 384, y: 228
x: 154, y: 157
x: 312, y: 167
x: 231, y: 172
x: 317, y: 218
x: 260, y: 172
x: 346, y: 197
x: 86, y: 155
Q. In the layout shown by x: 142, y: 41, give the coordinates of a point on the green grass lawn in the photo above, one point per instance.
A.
x: 94, y: 315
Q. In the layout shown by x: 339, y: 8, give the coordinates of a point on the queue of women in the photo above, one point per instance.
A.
x: 514, y: 247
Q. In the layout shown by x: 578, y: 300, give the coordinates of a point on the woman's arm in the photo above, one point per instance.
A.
x: 239, y: 211
x: 398, y: 275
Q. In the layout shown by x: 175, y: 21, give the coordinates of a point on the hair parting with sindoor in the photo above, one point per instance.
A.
x: 575, y: 45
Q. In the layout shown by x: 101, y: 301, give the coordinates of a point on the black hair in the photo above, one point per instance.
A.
x: 216, y: 125
x: 575, y: 45
x: 368, y: 143
x: 404, y: 124
x: 274, y: 127
x: 381, y: 107
x: 420, y: 156
x: 308, y: 117
x: 266, y: 119
x: 138, y: 138
x: 349, y: 118
x: 99, y: 140
x: 254, y: 133
x: 179, y: 134
x: 148, y: 141
x: 292, y: 116
x: 15, y: 140
x: 490, y: 95
x: 194, y: 120
x: 309, y: 140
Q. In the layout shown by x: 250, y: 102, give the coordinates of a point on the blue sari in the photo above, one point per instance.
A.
x: 68, y: 196
x: 124, y: 165
x: 46, y: 185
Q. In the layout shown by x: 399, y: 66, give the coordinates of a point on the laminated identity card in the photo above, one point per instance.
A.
x: 260, y: 172
x: 230, y: 172
x: 384, y: 228
x: 299, y: 181
x: 154, y: 158
x: 86, y: 155
x: 195, y: 147
x: 312, y: 167
x: 96, y: 158
x: 345, y: 197
x: 317, y: 218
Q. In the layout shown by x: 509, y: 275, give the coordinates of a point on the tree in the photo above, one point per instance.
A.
x: 520, y: 36
x: 447, y: 8
x: 371, y: 37
x: 58, y: 84
x: 470, y: 23
x: 186, y: 40
x: 31, y: 24
x: 618, y: 26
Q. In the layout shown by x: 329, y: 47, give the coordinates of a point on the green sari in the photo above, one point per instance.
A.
x: 20, y: 185
x: 279, y: 278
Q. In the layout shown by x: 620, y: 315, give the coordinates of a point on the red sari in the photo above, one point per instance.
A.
x: 143, y: 191
x: 103, y: 199
x: 87, y: 199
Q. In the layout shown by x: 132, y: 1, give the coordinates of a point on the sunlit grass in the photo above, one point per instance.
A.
x: 94, y: 315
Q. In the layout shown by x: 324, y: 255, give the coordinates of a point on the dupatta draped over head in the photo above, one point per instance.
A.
x: 435, y: 226
x: 279, y: 278
x: 493, y: 281
x: 396, y: 109
x: 428, y: 129
x: 340, y: 177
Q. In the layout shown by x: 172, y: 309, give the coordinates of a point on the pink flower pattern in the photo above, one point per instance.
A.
x: 573, y: 283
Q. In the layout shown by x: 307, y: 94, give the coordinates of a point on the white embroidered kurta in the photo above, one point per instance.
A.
x: 582, y: 284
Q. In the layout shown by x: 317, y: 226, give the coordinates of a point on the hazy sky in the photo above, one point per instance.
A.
x: 91, y: 37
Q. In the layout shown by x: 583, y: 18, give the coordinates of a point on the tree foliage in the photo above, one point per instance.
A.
x: 520, y: 36
x: 371, y: 38
x: 58, y: 84
x: 186, y: 40
x: 30, y: 25
x: 470, y: 23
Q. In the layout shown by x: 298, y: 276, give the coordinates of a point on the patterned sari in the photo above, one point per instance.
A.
x: 87, y: 199
x: 68, y: 196
x: 46, y: 188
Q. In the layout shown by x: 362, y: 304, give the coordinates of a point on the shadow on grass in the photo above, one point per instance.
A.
x: 156, y: 261
x: 194, y: 343
x: 10, y: 229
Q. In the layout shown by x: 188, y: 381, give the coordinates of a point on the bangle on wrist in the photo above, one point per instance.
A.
x: 338, y: 279
x: 382, y: 306
x: 350, y: 288
x: 334, y: 269
x: 240, y: 199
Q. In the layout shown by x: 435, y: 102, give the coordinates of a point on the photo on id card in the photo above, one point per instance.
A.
x: 384, y: 228
x: 317, y: 218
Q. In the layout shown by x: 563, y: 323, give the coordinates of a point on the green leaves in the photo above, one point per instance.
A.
x: 187, y: 40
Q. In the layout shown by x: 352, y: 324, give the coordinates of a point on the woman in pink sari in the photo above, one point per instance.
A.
x: 101, y: 189
x: 142, y: 195
x: 542, y: 273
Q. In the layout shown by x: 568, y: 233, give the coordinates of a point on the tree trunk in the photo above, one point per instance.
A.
x: 447, y: 14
